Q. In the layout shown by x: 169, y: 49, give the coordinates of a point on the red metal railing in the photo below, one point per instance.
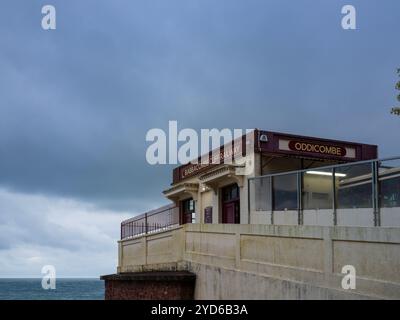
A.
x: 152, y: 221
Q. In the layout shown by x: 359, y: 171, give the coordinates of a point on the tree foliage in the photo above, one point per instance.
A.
x: 398, y: 84
x: 396, y: 110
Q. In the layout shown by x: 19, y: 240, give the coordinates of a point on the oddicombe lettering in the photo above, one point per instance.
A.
x: 317, y: 148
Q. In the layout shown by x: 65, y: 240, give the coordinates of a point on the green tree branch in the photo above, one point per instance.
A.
x: 396, y: 110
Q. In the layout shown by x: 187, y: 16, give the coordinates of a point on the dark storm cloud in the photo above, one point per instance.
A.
x: 76, y: 237
x: 76, y: 103
x: 54, y: 223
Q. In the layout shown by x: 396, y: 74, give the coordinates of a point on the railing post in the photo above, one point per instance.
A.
x: 300, y: 198
x: 334, y: 200
x: 271, y: 193
x: 145, y: 223
x: 375, y: 193
x: 248, y: 200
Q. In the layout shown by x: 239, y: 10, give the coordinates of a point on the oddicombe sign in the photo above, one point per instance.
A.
x: 317, y: 148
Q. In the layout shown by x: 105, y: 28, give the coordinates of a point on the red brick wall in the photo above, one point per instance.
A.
x: 153, y: 288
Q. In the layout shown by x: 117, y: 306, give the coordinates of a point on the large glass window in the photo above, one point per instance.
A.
x: 285, y: 192
x: 390, y: 192
x: 230, y: 193
x: 262, y: 193
x: 354, y: 186
x: 389, y: 183
x: 317, y: 189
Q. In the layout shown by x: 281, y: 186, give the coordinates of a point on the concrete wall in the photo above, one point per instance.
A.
x: 273, y: 262
x: 359, y: 217
x: 152, y: 249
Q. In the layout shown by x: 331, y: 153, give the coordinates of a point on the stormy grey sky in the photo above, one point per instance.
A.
x: 76, y: 103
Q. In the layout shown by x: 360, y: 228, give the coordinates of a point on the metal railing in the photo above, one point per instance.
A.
x: 156, y: 220
x: 360, y: 185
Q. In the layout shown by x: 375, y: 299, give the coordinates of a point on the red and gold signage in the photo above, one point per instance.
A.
x: 317, y: 148
x: 215, y: 158
x: 192, y: 170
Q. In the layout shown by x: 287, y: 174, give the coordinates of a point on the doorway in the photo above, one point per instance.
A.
x: 231, y: 204
x: 187, y: 211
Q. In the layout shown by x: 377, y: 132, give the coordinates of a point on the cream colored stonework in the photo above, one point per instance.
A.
x: 273, y: 262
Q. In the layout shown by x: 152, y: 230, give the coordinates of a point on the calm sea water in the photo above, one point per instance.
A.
x: 66, y: 289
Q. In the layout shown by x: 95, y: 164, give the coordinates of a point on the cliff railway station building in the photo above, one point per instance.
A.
x: 278, y: 220
x: 283, y: 179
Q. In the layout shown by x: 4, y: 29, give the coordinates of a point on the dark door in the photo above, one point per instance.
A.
x: 187, y: 209
x: 228, y: 213
x: 230, y: 204
x: 187, y: 218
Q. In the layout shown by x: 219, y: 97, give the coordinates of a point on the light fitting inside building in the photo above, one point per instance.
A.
x: 324, y: 173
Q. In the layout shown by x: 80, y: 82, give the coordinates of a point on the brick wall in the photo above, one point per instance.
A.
x: 169, y: 285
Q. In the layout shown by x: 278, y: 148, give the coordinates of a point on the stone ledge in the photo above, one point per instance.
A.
x: 167, y: 266
x: 152, y: 276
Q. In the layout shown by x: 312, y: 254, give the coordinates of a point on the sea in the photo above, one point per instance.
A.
x: 65, y: 289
